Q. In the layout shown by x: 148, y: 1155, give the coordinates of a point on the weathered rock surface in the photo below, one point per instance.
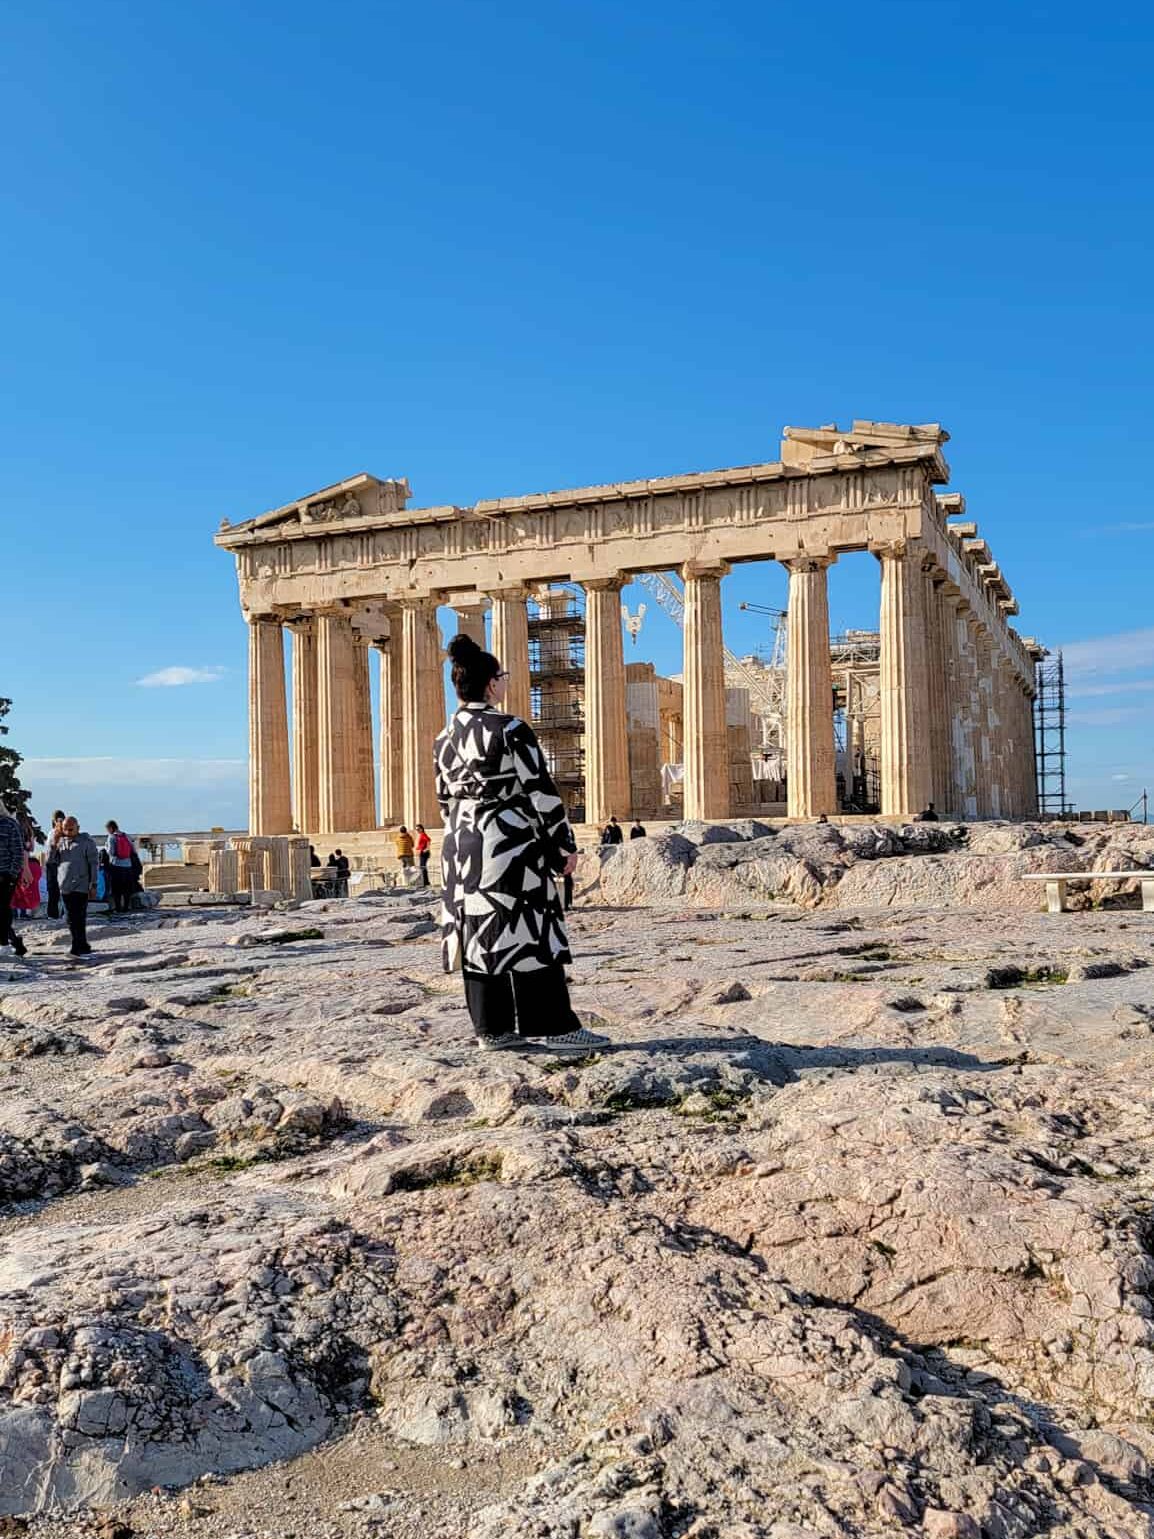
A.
x: 848, y: 1233
x: 863, y: 865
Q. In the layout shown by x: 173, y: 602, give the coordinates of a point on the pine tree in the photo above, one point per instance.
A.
x: 13, y: 796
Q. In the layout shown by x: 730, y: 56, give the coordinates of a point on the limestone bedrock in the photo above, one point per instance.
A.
x: 848, y: 1232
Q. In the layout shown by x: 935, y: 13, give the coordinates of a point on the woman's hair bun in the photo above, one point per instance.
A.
x: 462, y: 648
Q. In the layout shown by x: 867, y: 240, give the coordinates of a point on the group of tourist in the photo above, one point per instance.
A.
x: 71, y: 872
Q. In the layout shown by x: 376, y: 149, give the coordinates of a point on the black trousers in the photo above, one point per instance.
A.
x: 533, y: 1004
x: 7, y: 888
x: 121, y: 885
x: 76, y: 907
x: 52, y: 879
x: 423, y: 862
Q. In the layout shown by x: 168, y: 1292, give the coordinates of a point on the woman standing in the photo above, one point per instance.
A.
x: 423, y: 845
x: 78, y: 867
x: 506, y: 839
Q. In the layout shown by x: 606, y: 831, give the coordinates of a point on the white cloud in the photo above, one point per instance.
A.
x: 1116, y: 687
x: 173, y: 678
x: 1119, y: 777
x: 1127, y: 528
x: 1108, y: 716
x: 135, y: 772
x: 1125, y: 652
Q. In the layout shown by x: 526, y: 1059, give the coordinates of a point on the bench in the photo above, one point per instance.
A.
x: 1056, y: 885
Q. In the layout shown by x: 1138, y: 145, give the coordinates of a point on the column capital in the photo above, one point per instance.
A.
x: 805, y: 563
x: 511, y: 592
x: 605, y: 584
x: 700, y: 568
x: 891, y: 550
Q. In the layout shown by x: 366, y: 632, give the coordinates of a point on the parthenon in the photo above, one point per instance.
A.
x: 352, y: 569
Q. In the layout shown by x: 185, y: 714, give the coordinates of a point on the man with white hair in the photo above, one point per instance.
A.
x: 13, y: 871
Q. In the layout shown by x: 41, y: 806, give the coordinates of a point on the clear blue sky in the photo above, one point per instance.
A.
x: 250, y: 250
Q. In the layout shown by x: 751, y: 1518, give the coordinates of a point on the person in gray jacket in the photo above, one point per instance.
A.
x: 78, y: 865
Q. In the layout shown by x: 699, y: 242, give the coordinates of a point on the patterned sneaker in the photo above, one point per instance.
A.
x: 581, y: 1041
x: 499, y: 1044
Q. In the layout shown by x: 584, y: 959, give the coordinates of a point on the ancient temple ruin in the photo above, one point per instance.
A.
x: 352, y: 570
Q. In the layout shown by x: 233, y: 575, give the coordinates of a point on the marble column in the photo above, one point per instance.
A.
x: 1030, y: 794
x: 306, y: 740
x: 269, y: 783
x: 392, y: 779
x: 423, y: 707
x: 705, y: 743
x: 810, y: 757
x: 366, y: 808
x: 336, y: 712
x: 471, y: 621
x: 988, y: 803
x: 607, y: 789
x: 957, y: 726
x: 903, y: 686
x: 511, y: 647
x: 937, y: 691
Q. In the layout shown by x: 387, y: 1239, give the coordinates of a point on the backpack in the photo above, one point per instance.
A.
x: 122, y: 847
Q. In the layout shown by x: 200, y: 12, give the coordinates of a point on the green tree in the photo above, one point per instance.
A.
x: 12, y: 793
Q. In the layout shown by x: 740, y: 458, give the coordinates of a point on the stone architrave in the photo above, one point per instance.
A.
x: 607, y: 789
x: 705, y: 742
x: 306, y: 736
x: 511, y: 647
x: 362, y: 733
x: 392, y: 783
x: 903, y: 689
x: 423, y: 707
x: 810, y: 752
x: 270, y: 800
x: 337, y: 708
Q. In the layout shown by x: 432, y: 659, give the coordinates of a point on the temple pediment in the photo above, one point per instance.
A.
x: 362, y: 496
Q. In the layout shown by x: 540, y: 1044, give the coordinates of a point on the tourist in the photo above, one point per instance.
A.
x: 928, y: 816
x: 403, y: 844
x: 78, y: 866
x: 638, y: 829
x: 567, y: 889
x: 341, y: 864
x: 314, y: 858
x: 506, y: 840
x: 50, y: 865
x: 26, y: 898
x: 117, y: 859
x: 611, y: 833
x: 13, y: 871
x: 423, y: 846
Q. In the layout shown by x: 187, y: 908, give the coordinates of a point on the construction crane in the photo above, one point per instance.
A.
x: 765, y: 693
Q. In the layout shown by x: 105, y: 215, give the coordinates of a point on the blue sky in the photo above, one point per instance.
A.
x: 249, y: 251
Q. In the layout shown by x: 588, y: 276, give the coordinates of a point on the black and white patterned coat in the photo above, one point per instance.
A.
x: 506, y: 837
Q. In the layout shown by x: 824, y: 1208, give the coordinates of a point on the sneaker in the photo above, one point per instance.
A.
x: 18, y: 946
x: 580, y: 1041
x: 499, y: 1044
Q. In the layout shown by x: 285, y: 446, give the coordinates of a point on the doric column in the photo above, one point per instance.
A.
x: 337, y: 699
x: 392, y: 782
x: 306, y: 740
x: 471, y: 620
x: 957, y: 721
x: 705, y: 741
x: 810, y: 760
x: 938, y: 694
x: 606, y: 744
x: 988, y: 805
x: 511, y: 647
x: 423, y: 707
x: 269, y: 791
x: 1030, y: 765
x: 366, y: 805
x: 905, y: 756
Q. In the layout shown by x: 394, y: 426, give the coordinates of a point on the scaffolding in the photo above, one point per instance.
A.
x: 557, y: 689
x: 1050, y: 735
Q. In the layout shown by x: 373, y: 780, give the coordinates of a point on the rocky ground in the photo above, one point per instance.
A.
x: 849, y: 1233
